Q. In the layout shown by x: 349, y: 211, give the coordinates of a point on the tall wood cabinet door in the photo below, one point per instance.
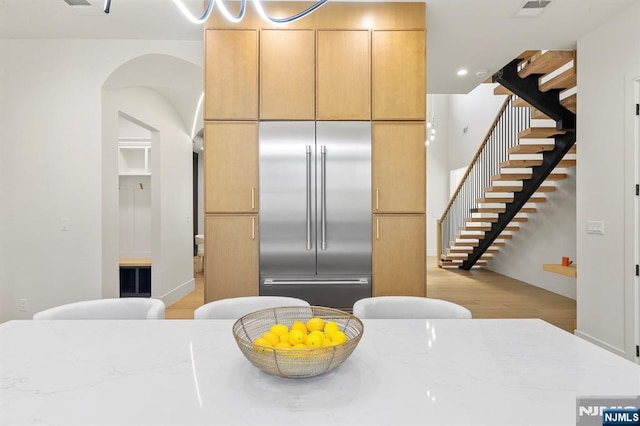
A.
x: 231, y: 256
x: 287, y: 73
x: 231, y: 75
x: 399, y: 255
x: 399, y: 167
x: 399, y: 75
x: 231, y: 167
x: 343, y: 81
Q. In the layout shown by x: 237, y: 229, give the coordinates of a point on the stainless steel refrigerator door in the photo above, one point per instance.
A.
x: 343, y: 172
x: 287, y: 198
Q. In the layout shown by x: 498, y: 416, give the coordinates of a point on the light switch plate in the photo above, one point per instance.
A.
x: 595, y: 227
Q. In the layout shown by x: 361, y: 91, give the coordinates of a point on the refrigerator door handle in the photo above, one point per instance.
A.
x: 308, y: 197
x: 360, y: 281
x: 323, y: 196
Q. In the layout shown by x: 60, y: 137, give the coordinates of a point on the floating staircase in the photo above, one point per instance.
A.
x: 534, y: 137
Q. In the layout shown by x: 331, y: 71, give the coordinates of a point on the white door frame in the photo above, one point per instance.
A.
x: 632, y: 286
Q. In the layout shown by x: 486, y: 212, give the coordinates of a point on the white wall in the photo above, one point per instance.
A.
x: 475, y: 111
x: 437, y: 168
x: 608, y: 60
x: 52, y: 128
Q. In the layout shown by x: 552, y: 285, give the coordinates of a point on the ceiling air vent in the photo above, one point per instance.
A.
x: 532, y: 8
x: 85, y: 7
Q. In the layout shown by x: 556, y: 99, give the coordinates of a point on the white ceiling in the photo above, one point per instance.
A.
x: 475, y: 34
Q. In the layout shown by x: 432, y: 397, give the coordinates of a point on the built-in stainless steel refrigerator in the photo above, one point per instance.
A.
x: 315, y: 211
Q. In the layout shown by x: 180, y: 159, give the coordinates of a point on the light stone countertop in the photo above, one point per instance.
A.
x: 404, y: 372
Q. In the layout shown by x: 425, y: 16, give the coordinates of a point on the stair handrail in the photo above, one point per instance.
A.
x: 499, y: 115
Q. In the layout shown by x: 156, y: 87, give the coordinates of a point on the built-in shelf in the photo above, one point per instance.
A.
x: 569, y: 271
x: 134, y: 159
x: 135, y: 277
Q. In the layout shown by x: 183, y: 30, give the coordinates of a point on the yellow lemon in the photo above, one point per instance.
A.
x: 296, y: 336
x: 338, y: 338
x: 282, y: 345
x: 318, y: 332
x: 285, y: 338
x: 299, y: 325
x: 271, y: 337
x: 330, y: 327
x: 300, y: 346
x: 315, y: 323
x: 279, y: 329
x: 315, y: 341
x: 261, y: 341
x: 327, y: 341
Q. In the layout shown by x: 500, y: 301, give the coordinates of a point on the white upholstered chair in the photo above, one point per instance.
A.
x: 106, y: 309
x: 236, y: 307
x: 407, y: 307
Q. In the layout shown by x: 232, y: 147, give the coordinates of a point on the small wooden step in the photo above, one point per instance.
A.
x: 507, y: 177
x: 483, y: 219
x: 510, y: 188
x: 547, y: 62
x: 469, y: 236
x: 570, y: 103
x: 490, y: 210
x: 517, y: 164
x: 546, y: 189
x: 459, y: 250
x: 495, y: 200
x: 536, y: 114
x: 528, y: 210
x: 564, y: 80
x: 476, y: 228
x: 492, y: 250
x: 466, y: 243
x: 499, y: 243
x: 520, y: 219
x: 573, y: 149
x: 505, y: 237
x: 531, y: 149
x: 537, y: 200
x: 501, y: 90
x: 556, y: 176
x: 540, y: 133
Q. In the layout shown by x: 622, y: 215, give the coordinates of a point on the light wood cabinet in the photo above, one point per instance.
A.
x: 399, y: 257
x: 287, y: 75
x: 231, y: 75
x: 231, y: 256
x: 399, y: 75
x: 231, y: 167
x: 343, y: 78
x: 399, y: 167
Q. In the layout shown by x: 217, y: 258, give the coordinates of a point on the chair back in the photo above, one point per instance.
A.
x: 236, y: 307
x: 106, y: 309
x: 408, y: 307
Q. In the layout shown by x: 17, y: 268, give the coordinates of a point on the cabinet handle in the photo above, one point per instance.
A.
x: 253, y: 228
x: 253, y: 198
x: 377, y: 228
x: 377, y: 198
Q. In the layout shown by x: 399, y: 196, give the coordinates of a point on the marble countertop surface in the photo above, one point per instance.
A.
x: 404, y: 372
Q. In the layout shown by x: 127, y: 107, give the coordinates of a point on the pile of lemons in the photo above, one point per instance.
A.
x: 315, y: 333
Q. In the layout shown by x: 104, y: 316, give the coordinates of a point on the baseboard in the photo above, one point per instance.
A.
x: 179, y: 292
x: 600, y: 343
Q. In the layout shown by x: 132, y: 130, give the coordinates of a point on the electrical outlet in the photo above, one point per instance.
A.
x: 64, y: 223
x: 23, y: 305
x: 595, y: 227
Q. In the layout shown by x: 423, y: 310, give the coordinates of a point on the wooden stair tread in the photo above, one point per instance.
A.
x: 528, y: 210
x: 536, y: 114
x: 564, y: 80
x: 495, y: 200
x: 520, y: 219
x: 531, y: 148
x: 506, y: 177
x: 517, y: 164
x: 556, y: 176
x: 547, y: 62
x: 570, y: 103
x: 573, y: 149
x: 546, y: 189
x: 490, y: 209
x: 510, y: 188
x: 540, y: 132
x: 483, y: 219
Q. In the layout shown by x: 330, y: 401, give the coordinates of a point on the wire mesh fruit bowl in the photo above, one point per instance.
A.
x: 297, y: 362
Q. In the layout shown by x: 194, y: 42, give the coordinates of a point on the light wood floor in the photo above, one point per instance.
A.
x: 486, y: 294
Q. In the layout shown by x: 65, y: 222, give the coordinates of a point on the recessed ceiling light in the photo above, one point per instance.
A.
x: 462, y: 72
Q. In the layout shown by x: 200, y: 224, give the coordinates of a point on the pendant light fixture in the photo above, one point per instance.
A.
x: 235, y: 18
